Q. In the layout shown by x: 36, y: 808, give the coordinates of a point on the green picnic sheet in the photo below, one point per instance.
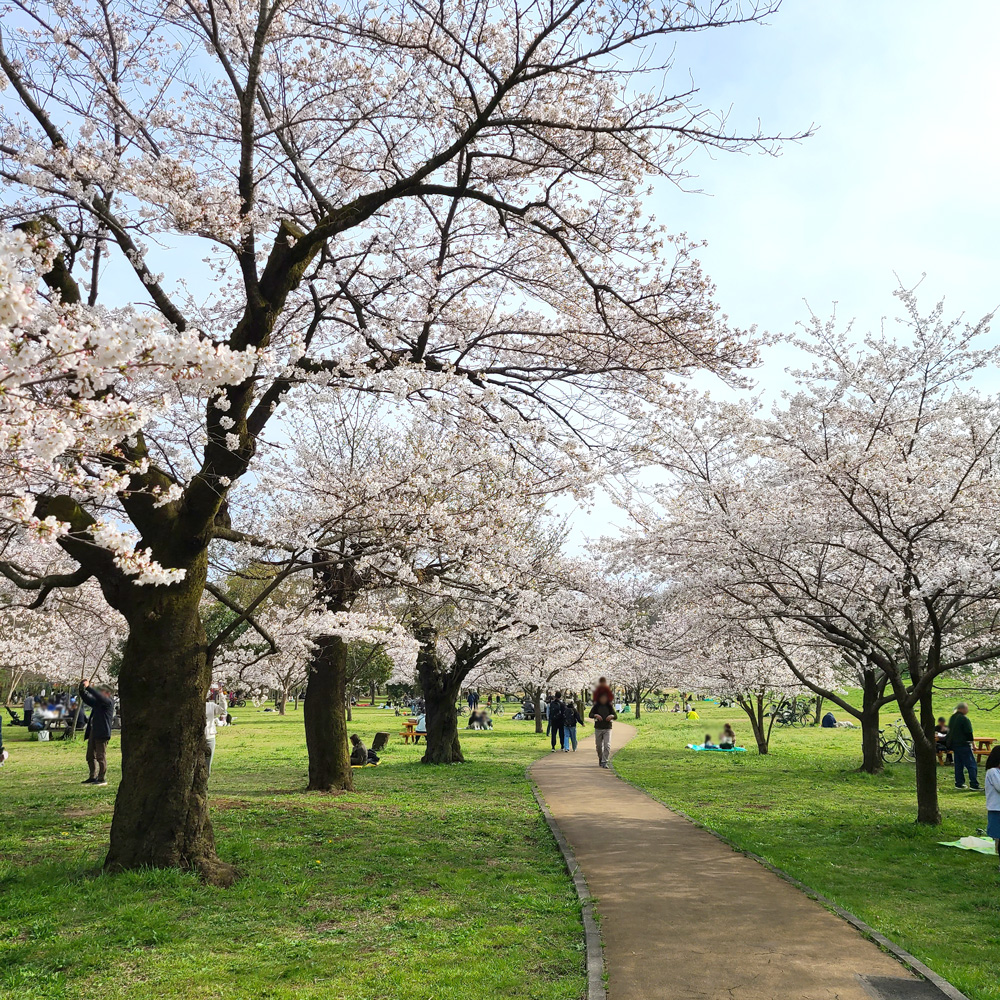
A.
x: 982, y: 845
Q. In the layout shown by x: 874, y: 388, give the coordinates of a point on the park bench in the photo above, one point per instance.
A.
x: 409, y: 731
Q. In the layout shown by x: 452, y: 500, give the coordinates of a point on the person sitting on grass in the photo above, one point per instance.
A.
x: 359, y: 752
x: 992, y: 783
x: 728, y: 738
x: 708, y: 744
x: 692, y: 714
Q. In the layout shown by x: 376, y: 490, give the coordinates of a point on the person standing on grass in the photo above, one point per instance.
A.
x: 556, y: 721
x: 214, y: 714
x: 992, y: 782
x: 29, y: 707
x: 603, y: 714
x: 571, y: 719
x: 102, y: 713
x: 960, y: 743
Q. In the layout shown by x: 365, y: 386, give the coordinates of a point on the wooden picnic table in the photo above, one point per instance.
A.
x: 983, y: 747
x: 409, y: 730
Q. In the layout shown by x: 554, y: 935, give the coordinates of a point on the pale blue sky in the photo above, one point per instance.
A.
x: 901, y: 176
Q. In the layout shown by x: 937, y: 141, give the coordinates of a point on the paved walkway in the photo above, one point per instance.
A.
x: 683, y: 916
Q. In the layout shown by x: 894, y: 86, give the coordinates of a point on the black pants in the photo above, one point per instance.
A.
x: 97, y: 758
x: 557, y: 732
x: 27, y: 716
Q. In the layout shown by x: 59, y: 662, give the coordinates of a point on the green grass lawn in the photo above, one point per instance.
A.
x: 427, y: 883
x: 850, y: 836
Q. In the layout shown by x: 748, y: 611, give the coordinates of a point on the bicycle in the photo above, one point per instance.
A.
x: 791, y: 713
x: 896, y: 745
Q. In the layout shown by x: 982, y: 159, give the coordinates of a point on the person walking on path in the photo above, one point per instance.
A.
x: 29, y: 707
x: 102, y: 713
x: 603, y: 714
x: 556, y: 721
x: 603, y: 688
x: 960, y: 742
x: 992, y: 782
x: 571, y: 719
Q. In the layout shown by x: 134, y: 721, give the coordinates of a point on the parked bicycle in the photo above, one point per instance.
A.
x: 792, y: 712
x: 896, y: 744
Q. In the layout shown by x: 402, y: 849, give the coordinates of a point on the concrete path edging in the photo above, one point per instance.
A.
x: 899, y: 953
x: 596, y: 989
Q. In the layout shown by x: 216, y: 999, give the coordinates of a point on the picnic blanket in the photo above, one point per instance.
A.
x: 982, y: 845
x: 698, y: 746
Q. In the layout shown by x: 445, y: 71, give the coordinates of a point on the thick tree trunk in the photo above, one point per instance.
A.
x: 161, y: 809
x: 538, y: 712
x: 325, y: 718
x: 638, y: 702
x: 440, y: 690
x: 871, y: 752
x: 282, y: 700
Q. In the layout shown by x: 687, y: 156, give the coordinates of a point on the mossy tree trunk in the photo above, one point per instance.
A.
x: 161, y: 815
x: 326, y: 719
x: 441, y: 684
x: 327, y: 709
x: 441, y: 688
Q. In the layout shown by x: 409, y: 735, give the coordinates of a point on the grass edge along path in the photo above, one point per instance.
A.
x: 848, y: 838
x: 430, y: 882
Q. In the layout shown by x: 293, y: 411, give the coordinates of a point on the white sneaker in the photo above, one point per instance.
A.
x: 3, y: 756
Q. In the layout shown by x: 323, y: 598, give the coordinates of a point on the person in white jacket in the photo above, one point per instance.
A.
x: 213, y: 713
x: 992, y: 782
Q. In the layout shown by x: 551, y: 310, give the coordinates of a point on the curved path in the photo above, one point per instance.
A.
x: 684, y: 916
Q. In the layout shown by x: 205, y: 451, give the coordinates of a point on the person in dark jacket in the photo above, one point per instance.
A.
x: 102, y: 713
x: 359, y: 752
x: 959, y: 742
x: 571, y: 719
x: 557, y: 721
x: 603, y: 713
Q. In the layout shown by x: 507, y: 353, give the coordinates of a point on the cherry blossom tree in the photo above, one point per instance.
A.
x: 854, y: 511
x: 442, y: 204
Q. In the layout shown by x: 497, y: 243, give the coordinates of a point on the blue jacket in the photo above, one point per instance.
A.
x: 102, y: 713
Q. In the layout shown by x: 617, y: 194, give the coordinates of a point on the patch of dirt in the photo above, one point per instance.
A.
x: 82, y: 812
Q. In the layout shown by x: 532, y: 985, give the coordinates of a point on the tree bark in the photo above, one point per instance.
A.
x: 871, y: 696
x: 925, y: 753
x: 819, y: 710
x: 753, y: 706
x: 161, y: 810
x: 638, y: 702
x: 538, y: 711
x: 325, y: 718
x: 440, y: 689
x: 871, y: 752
